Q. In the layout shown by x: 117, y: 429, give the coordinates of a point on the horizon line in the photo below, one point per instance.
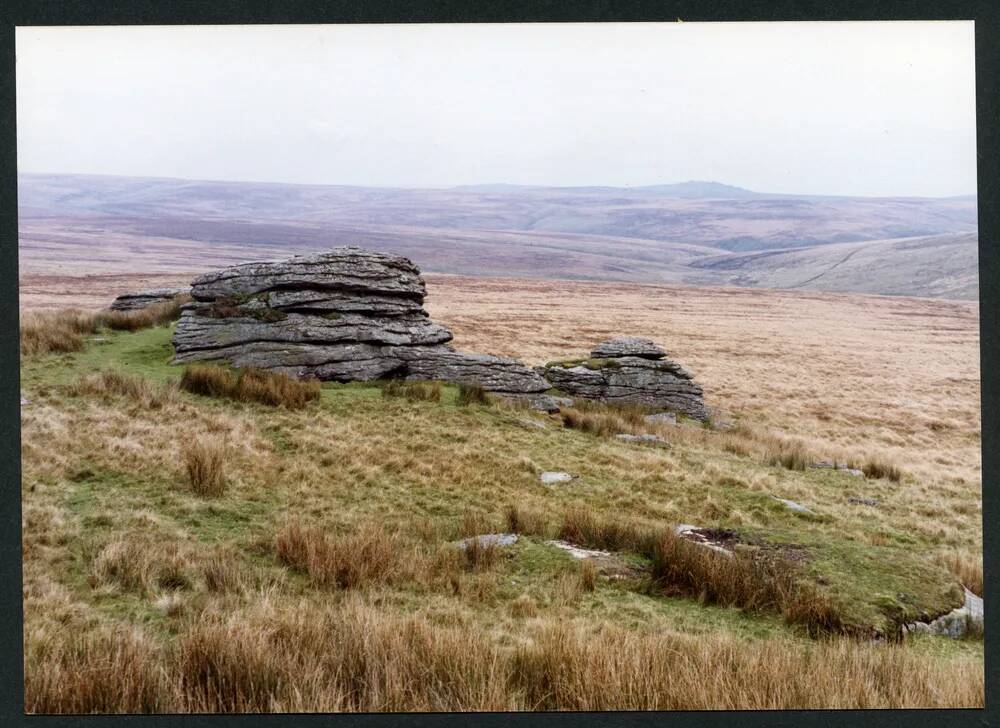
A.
x: 498, y: 184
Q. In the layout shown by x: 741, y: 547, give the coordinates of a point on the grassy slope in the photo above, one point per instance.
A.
x: 358, y: 456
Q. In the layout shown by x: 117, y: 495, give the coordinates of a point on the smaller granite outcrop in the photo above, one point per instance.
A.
x: 630, y: 370
x: 628, y: 346
x: 141, y: 299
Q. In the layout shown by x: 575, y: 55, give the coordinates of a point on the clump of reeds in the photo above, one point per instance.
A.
x: 469, y: 394
x: 249, y: 385
x: 366, y: 556
x: 205, y: 464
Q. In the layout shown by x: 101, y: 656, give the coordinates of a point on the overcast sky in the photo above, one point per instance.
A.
x: 883, y: 108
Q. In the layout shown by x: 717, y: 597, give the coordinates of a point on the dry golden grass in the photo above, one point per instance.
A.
x: 135, y: 562
x: 603, y: 421
x: 583, y: 526
x: 525, y: 521
x: 845, y: 373
x: 967, y: 568
x: 205, y: 465
x: 249, y: 385
x: 64, y: 331
x: 356, y: 657
x: 112, y: 382
x: 367, y: 556
x: 44, y: 332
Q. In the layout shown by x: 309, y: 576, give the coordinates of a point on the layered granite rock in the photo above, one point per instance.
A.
x: 347, y: 314
x: 142, y: 299
x: 630, y: 370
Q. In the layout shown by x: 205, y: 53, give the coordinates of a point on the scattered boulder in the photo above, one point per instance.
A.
x: 630, y: 370
x: 832, y: 465
x: 498, y: 540
x: 347, y: 314
x: 555, y: 477
x: 141, y: 299
x: 713, y: 539
x: 654, y: 440
x: 531, y: 423
x: 967, y: 619
x: 541, y: 402
x: 661, y: 418
x: 793, y: 506
x: 864, y: 501
x: 609, y: 564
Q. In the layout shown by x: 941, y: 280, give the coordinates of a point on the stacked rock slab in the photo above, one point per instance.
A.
x: 630, y: 370
x: 142, y: 299
x: 347, y: 314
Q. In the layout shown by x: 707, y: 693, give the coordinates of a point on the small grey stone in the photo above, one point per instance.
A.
x: 25, y: 401
x: 661, y: 418
x: 534, y: 424
x: 643, y: 439
x: 490, y: 539
x: 628, y: 346
x: 832, y: 465
x: 793, y: 506
x: 538, y: 402
x: 555, y: 477
x: 863, y: 501
x: 577, y: 552
x: 695, y: 534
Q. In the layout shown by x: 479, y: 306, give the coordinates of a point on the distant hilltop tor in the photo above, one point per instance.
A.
x: 695, y: 232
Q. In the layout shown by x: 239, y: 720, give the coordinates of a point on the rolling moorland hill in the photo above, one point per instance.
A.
x: 701, y: 233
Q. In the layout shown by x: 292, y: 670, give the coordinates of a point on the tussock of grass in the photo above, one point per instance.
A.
x: 520, y: 519
x: 754, y: 581
x: 413, y: 391
x: 116, y: 383
x: 205, y: 465
x: 967, y: 568
x: 876, y: 467
x: 61, y: 332
x: 469, y: 394
x: 587, y: 574
x: 109, y: 671
x: 249, y: 385
x: 135, y: 563
x: 481, y: 556
x: 603, y: 420
x: 582, y: 526
x: 57, y: 332
x: 367, y: 556
x: 788, y: 453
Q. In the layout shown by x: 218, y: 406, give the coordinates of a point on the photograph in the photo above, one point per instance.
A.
x: 499, y: 367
